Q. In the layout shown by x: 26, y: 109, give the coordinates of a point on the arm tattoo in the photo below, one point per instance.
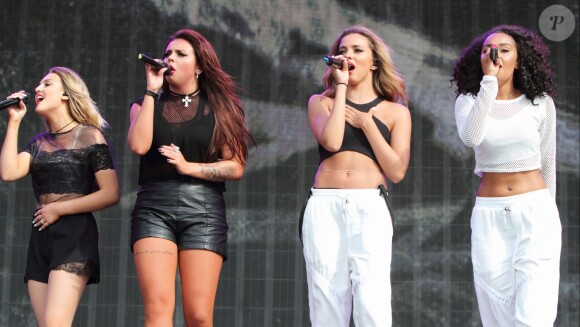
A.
x: 217, y: 173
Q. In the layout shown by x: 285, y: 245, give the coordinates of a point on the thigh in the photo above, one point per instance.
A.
x: 62, y: 297
x: 199, y: 271
x: 324, y: 237
x: 493, y: 245
x: 37, y: 292
x: 156, y: 266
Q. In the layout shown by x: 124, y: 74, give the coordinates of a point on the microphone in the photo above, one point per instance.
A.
x: 335, y: 62
x: 493, y: 53
x: 12, y: 102
x: 155, y: 64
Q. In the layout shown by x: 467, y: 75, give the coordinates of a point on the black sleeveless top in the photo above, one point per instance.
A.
x: 354, y: 138
x: 189, y: 127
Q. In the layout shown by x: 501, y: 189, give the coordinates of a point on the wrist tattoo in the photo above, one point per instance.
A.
x: 217, y: 173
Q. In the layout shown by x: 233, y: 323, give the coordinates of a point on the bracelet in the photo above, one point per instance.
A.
x: 153, y: 94
x: 337, y: 84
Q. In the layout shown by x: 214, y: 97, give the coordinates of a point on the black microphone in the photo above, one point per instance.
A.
x: 493, y: 53
x: 14, y: 101
x: 155, y: 64
x: 335, y: 62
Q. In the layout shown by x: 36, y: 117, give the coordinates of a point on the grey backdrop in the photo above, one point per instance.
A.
x: 273, y: 48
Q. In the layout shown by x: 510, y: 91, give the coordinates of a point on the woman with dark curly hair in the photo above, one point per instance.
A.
x: 505, y: 112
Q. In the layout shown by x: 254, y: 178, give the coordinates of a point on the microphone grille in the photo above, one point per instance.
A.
x: 26, y: 98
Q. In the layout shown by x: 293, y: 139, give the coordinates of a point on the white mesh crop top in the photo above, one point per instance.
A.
x: 509, y: 135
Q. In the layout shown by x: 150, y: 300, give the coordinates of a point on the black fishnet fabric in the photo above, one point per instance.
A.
x: 63, y: 165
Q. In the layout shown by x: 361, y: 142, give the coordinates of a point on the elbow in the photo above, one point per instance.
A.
x: 331, y: 146
x: 138, y: 149
x: 397, y: 176
x: 5, y: 177
x: 115, y: 198
x: 238, y: 174
x: 470, y: 141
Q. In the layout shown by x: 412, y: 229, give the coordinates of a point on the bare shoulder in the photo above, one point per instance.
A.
x: 319, y: 101
x: 392, y: 111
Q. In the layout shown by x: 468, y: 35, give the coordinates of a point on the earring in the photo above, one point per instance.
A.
x: 196, y: 76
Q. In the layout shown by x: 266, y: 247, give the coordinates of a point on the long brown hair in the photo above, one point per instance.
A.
x: 387, y: 82
x: 220, y: 89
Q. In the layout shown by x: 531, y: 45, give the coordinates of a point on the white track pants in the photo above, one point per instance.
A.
x: 516, y: 243
x: 347, y: 236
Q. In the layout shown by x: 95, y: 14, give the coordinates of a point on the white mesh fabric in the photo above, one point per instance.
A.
x: 509, y: 135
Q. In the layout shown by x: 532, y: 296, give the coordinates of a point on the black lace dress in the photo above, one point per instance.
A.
x: 63, y: 167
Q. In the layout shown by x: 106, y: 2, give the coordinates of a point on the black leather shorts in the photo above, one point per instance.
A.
x: 190, y: 214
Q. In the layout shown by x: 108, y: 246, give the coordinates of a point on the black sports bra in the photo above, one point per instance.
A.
x: 354, y: 139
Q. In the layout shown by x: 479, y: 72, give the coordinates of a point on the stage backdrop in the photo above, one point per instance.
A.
x: 274, y: 50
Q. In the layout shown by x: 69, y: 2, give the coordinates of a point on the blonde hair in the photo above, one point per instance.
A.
x: 81, y: 106
x: 387, y: 82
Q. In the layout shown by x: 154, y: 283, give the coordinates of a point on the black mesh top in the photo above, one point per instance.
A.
x: 189, y: 127
x: 354, y: 138
x: 63, y: 165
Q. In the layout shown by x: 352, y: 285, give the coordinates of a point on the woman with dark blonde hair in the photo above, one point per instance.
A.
x: 189, y: 131
x: 363, y: 137
x: 505, y: 112
x: 72, y: 175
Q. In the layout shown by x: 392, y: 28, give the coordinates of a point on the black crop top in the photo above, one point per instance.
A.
x: 65, y: 164
x: 189, y: 127
x: 354, y: 138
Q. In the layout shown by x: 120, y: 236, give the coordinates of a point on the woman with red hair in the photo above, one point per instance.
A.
x: 189, y: 131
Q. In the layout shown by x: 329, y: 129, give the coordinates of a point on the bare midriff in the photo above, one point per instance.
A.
x: 349, y: 169
x: 507, y: 184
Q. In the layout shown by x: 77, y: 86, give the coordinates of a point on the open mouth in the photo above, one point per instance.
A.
x: 38, y: 98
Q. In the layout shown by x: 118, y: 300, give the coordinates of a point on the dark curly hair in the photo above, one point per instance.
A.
x: 533, y: 76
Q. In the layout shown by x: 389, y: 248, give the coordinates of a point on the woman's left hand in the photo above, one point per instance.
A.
x: 174, y: 157
x: 358, y: 119
x: 46, y: 215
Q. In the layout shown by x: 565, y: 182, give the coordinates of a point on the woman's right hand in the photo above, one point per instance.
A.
x: 17, y: 112
x: 340, y: 74
x: 489, y: 67
x: 154, y: 77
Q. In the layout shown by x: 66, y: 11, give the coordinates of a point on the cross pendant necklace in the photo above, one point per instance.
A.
x: 186, y: 100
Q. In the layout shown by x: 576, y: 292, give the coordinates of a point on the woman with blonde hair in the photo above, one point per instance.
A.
x: 363, y: 137
x: 72, y: 175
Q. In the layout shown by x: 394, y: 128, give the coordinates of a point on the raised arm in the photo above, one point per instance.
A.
x: 14, y: 165
x: 471, y: 113
x: 326, y: 124
x: 140, y: 134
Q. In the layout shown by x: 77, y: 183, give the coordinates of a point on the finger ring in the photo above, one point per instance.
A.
x: 42, y: 221
x: 176, y: 149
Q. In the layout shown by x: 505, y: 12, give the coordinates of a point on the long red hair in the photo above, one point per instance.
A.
x: 220, y: 89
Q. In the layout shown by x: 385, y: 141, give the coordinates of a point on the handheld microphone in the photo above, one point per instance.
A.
x: 12, y: 102
x: 155, y: 64
x: 493, y: 53
x: 335, y: 62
